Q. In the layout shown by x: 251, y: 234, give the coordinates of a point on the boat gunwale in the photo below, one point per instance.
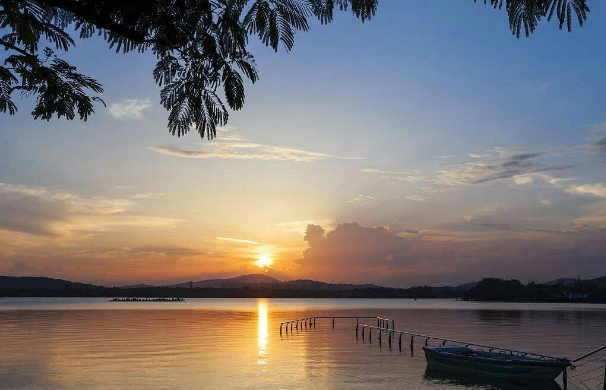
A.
x: 526, y: 361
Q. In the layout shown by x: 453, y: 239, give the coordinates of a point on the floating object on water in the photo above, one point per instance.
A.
x: 175, y: 299
x: 496, y: 364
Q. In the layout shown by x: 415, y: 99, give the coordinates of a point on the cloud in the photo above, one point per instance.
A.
x: 499, y: 226
x: 361, y: 199
x: 599, y: 147
x: 350, y: 251
x: 129, y: 108
x: 415, y: 198
x: 545, y: 201
x: 248, y: 151
x: 21, y: 268
x: 236, y: 240
x: 50, y: 212
x: 147, y: 195
x: 301, y: 226
x: 597, y: 190
x: 477, y: 156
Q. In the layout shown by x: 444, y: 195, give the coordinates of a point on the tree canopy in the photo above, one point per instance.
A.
x: 201, y: 47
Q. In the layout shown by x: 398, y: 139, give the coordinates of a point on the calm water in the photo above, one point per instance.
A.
x: 58, y: 343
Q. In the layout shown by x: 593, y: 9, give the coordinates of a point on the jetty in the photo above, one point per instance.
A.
x: 593, y: 362
x: 173, y: 299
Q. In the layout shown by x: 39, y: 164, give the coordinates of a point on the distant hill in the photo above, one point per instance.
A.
x: 31, y: 282
x: 307, y: 284
x: 565, y: 281
x: 466, y: 286
x: 240, y: 281
x: 600, y: 282
x: 137, y: 286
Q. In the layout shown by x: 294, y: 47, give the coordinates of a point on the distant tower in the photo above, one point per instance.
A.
x: 191, y: 284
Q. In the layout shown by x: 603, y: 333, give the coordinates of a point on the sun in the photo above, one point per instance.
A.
x: 264, y: 260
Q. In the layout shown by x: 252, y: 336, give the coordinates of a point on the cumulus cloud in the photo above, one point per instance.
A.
x: 349, y: 251
x: 597, y: 190
x: 301, y: 226
x: 129, y: 108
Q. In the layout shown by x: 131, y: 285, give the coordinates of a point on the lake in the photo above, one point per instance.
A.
x: 90, y: 343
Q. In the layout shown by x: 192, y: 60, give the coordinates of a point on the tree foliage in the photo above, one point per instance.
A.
x: 201, y: 47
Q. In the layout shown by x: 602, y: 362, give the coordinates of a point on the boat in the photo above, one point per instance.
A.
x: 444, y: 379
x: 494, y: 364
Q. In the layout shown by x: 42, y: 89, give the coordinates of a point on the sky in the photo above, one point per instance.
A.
x: 427, y: 146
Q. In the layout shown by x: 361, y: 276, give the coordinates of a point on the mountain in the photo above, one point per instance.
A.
x: 240, y: 281
x: 306, y: 284
x: 466, y: 286
x: 600, y: 282
x: 565, y: 281
x: 31, y: 282
x: 137, y: 286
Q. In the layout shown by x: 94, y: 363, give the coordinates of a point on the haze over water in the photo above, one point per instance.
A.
x: 57, y: 343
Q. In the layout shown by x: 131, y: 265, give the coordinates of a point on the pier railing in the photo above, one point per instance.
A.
x: 427, y: 338
x: 596, y: 370
x: 303, y: 323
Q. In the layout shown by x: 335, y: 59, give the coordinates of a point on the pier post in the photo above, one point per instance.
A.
x: 357, y: 326
x: 390, y: 339
x: 305, y: 323
x: 380, y: 334
x: 314, y: 322
x: 412, y: 340
x: 370, y: 335
x: 290, y: 326
x: 400, y: 342
x: 363, y: 329
x: 280, y: 329
x: 333, y: 322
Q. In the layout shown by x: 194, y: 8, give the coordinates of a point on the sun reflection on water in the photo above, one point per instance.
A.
x: 262, y: 339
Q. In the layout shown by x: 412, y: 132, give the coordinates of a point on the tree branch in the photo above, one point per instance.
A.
x: 15, y: 48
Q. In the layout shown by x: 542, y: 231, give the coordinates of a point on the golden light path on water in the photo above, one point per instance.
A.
x: 262, y: 338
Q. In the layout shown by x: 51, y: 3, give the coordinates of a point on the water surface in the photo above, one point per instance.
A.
x: 73, y: 343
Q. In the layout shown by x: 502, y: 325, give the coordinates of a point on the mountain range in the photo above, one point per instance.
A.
x: 252, y: 280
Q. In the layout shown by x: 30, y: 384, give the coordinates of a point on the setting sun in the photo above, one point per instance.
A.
x: 264, y: 260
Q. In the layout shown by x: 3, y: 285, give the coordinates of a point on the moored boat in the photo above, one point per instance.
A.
x: 496, y: 364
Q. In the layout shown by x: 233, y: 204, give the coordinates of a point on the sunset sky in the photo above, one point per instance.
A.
x: 427, y: 146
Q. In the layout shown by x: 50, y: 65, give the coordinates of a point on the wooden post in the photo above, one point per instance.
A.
x: 370, y: 335
x: 363, y: 329
x: 280, y: 329
x: 333, y: 322
x: 357, y: 325
x: 400, y: 342
x: 390, y: 339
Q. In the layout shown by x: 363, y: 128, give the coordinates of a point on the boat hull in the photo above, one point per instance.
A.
x: 493, y: 364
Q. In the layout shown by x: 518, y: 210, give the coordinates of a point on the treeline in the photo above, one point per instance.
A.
x: 236, y: 292
x: 492, y: 289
